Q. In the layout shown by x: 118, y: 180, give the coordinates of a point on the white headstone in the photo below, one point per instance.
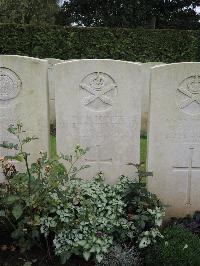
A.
x: 98, y: 106
x: 24, y: 98
x: 146, y: 70
x: 174, y: 137
x: 52, y: 114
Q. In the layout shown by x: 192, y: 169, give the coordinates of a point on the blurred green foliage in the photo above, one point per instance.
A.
x: 123, y: 44
x: 178, y: 247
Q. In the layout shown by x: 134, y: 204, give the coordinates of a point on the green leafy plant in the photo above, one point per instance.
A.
x: 24, y: 196
x: 143, y: 208
x: 77, y: 217
x: 179, y: 247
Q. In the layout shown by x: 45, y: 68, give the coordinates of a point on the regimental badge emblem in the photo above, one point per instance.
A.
x: 188, y: 95
x: 10, y: 84
x: 98, y: 91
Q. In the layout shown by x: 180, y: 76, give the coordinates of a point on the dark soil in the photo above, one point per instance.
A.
x: 53, y: 130
x: 10, y: 255
x: 35, y: 258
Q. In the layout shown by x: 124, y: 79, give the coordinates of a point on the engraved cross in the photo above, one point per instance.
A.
x: 190, y: 169
x: 98, y: 159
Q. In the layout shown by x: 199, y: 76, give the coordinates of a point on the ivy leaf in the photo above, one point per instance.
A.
x: 86, y: 255
x: 17, y: 211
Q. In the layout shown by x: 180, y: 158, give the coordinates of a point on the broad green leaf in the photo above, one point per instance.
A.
x: 99, y: 241
x: 18, y: 158
x: 98, y: 249
x: 99, y: 258
x: 87, y: 246
x: 93, y: 249
x: 104, y: 249
x: 17, y: 211
x: 82, y: 243
x: 86, y: 255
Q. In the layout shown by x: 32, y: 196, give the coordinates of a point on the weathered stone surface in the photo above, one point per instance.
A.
x: 146, y: 70
x: 174, y: 137
x: 52, y: 114
x: 146, y: 67
x: 24, y: 98
x: 98, y: 106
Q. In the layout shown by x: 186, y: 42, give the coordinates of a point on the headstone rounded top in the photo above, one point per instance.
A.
x: 97, y: 91
x: 10, y: 84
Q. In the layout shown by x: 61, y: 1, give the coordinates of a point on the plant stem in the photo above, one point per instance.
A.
x: 29, y: 174
x: 48, y: 250
x: 71, y: 166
